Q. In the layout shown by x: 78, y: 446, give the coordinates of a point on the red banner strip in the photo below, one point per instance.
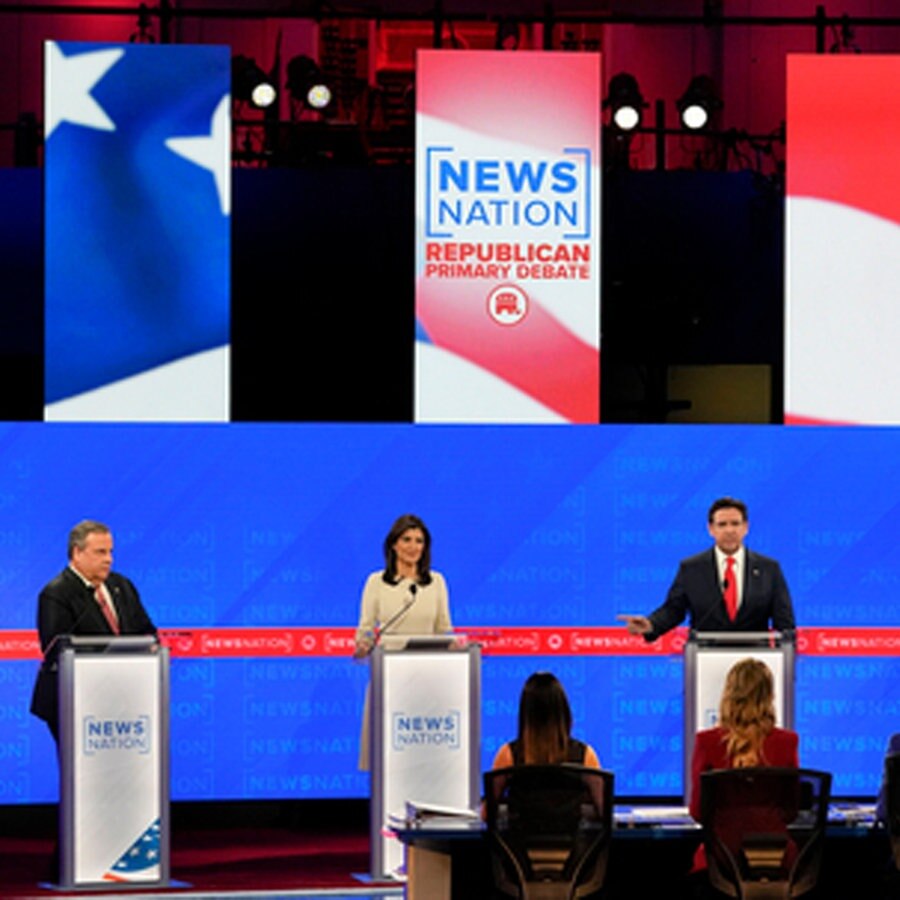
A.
x: 222, y: 643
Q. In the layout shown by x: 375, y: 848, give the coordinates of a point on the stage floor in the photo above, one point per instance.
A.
x: 284, y: 849
x: 319, y: 849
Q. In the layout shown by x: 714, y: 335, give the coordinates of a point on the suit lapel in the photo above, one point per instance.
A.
x: 749, y: 584
x: 117, y: 595
x: 89, y: 616
x: 714, y: 589
x: 712, y: 574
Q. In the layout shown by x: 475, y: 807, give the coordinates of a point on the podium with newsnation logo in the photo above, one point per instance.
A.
x: 707, y: 658
x: 425, y: 735
x: 114, y: 762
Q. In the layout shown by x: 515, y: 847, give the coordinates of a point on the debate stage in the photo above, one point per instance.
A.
x: 319, y: 849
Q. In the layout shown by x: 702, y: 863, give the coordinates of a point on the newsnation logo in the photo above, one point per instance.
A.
x: 550, y: 195
x: 434, y: 730
x: 120, y: 735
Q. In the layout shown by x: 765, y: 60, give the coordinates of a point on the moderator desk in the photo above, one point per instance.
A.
x: 447, y: 859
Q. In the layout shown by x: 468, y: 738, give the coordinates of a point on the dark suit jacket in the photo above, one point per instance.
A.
x: 696, y: 591
x: 67, y: 606
x: 881, y: 806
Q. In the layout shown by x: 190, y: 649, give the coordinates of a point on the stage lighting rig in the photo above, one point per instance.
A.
x: 625, y: 102
x: 698, y: 103
x: 249, y: 84
x: 308, y: 85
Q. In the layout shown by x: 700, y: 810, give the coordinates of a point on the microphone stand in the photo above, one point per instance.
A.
x: 385, y: 629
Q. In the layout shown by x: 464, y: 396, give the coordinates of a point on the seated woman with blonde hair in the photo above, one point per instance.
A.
x: 745, y: 736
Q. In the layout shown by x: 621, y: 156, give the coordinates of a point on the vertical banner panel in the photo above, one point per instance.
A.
x: 507, y: 236
x: 843, y: 240
x: 137, y: 233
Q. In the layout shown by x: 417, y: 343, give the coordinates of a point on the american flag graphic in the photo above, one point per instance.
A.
x: 140, y: 857
x: 138, y: 205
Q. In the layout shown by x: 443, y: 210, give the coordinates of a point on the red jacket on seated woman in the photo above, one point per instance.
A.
x: 745, y: 736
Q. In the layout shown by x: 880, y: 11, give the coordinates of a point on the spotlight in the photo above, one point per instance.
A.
x: 697, y: 104
x: 307, y: 83
x: 250, y: 84
x: 625, y: 101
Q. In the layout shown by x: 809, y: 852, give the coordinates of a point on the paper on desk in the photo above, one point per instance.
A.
x: 657, y: 813
x: 417, y: 810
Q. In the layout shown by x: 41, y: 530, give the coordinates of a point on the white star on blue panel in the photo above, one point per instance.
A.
x: 69, y: 97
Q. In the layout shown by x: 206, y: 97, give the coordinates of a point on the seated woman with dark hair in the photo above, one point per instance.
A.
x: 547, y: 803
x: 545, y: 725
x: 544, y: 738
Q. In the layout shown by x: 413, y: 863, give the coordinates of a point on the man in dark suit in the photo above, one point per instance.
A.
x: 893, y: 747
x: 727, y: 573
x: 85, y: 598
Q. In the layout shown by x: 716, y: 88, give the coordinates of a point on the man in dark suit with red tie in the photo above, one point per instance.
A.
x: 85, y: 598
x: 725, y: 588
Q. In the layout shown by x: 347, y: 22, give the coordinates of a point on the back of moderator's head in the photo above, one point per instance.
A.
x: 545, y: 718
x: 749, y: 694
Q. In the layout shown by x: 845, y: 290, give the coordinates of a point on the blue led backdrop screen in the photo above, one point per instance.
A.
x: 268, y: 526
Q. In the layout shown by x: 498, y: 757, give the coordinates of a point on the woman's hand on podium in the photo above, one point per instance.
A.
x: 364, y: 646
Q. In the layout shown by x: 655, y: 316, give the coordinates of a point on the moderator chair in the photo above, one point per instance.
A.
x: 764, y: 830
x: 549, y: 829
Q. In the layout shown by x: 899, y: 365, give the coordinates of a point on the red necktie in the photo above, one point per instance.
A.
x: 108, y: 613
x: 729, y: 589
